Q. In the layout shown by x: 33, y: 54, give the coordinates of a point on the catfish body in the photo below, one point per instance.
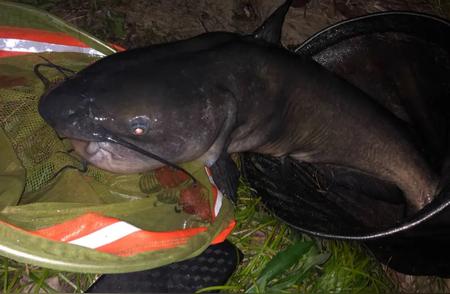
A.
x: 193, y: 99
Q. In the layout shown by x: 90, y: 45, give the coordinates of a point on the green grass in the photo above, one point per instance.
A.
x: 23, y: 278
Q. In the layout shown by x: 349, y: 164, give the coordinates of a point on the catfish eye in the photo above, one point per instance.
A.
x: 138, y: 131
x: 139, y: 125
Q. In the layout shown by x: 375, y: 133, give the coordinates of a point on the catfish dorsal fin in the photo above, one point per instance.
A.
x: 270, y: 30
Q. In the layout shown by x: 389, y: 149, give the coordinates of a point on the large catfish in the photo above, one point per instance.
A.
x: 225, y: 92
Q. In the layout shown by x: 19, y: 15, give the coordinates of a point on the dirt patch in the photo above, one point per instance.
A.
x: 417, y: 284
x: 360, y: 7
x: 137, y: 23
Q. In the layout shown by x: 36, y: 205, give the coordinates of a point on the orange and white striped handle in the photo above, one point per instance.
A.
x: 19, y: 41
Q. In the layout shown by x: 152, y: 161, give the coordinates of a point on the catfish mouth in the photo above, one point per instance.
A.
x: 113, y: 157
x: 93, y: 148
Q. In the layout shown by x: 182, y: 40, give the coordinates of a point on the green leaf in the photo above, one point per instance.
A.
x: 297, y: 276
x: 218, y: 288
x: 280, y: 263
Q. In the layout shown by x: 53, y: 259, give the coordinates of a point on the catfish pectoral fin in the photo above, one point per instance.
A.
x: 226, y: 176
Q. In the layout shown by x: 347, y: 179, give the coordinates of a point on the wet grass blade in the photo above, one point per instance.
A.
x: 280, y: 263
x: 312, y: 259
x: 226, y: 289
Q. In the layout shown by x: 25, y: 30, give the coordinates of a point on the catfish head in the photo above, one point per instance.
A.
x: 115, y: 118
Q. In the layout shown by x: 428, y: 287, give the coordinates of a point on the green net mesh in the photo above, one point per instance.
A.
x: 37, y: 146
x: 43, y: 183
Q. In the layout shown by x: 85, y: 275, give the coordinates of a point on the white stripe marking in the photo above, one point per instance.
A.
x: 106, y: 235
x: 218, y: 200
x: 19, y: 45
x: 218, y: 203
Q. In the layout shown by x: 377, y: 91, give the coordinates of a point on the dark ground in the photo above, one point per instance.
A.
x: 137, y: 23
